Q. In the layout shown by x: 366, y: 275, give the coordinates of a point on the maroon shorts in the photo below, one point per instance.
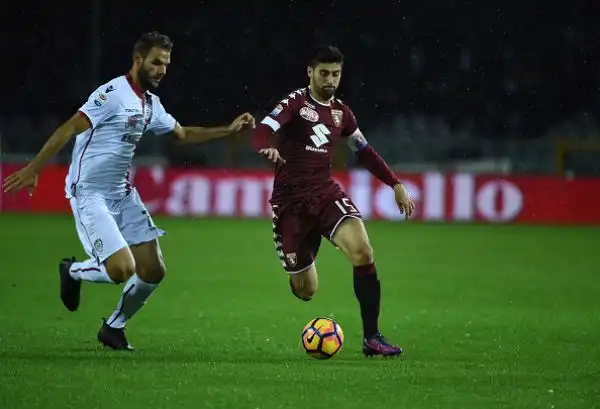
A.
x: 299, y: 226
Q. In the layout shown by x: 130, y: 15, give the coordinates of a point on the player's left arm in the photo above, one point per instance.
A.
x: 370, y: 159
x: 165, y: 123
x: 365, y: 154
x: 375, y: 164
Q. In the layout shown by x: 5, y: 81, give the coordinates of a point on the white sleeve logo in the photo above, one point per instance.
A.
x: 319, y: 137
x: 100, y: 100
x: 277, y: 110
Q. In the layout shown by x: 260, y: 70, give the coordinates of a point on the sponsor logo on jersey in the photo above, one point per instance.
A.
x: 309, y: 114
x: 131, y: 138
x: 337, y: 115
x: 317, y: 150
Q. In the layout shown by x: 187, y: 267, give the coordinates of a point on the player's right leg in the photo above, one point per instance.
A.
x: 304, y: 284
x: 111, y: 261
x: 297, y: 245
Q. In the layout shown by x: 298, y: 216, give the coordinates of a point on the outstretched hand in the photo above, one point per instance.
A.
x: 404, y: 200
x: 244, y: 121
x: 24, y: 177
x: 272, y: 154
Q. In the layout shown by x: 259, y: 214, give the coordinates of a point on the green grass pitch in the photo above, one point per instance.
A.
x: 489, y: 317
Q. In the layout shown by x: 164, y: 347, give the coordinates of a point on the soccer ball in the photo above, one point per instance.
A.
x: 322, y: 338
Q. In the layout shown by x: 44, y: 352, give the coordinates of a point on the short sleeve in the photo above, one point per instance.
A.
x: 284, y: 111
x: 100, y: 106
x: 161, y: 122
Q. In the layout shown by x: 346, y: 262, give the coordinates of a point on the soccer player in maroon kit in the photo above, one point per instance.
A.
x: 308, y: 204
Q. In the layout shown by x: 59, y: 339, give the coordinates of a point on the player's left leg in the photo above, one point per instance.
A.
x: 343, y: 225
x: 141, y: 235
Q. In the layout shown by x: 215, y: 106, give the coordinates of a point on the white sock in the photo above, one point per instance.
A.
x: 89, y: 270
x: 134, y: 296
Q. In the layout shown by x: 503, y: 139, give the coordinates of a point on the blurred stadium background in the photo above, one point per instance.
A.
x: 489, y: 112
x: 508, y: 92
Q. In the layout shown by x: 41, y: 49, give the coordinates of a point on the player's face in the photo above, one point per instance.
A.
x: 325, y: 79
x: 154, y: 67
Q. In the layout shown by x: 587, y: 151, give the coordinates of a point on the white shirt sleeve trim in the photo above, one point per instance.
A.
x: 271, y: 123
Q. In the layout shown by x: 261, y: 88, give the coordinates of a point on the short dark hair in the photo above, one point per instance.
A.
x: 150, y: 40
x: 326, y: 54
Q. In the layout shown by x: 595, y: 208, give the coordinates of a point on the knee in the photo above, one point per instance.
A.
x: 361, y: 255
x: 309, y: 290
x: 120, y: 269
x: 152, y: 273
x: 304, y: 291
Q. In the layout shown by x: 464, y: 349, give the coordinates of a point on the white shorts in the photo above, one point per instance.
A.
x: 105, y: 226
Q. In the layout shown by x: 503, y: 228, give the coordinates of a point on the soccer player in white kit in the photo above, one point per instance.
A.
x: 112, y: 222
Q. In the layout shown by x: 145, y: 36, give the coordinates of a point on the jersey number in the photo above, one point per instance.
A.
x: 345, y: 206
x: 319, y: 137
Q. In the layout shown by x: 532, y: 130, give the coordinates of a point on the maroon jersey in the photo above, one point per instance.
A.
x: 307, y: 130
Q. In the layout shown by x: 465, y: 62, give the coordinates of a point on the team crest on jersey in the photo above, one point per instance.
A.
x: 291, y: 259
x: 98, y: 246
x: 337, y: 115
x: 277, y: 110
x: 134, y: 120
x: 309, y: 114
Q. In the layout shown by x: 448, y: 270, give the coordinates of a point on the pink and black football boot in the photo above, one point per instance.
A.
x: 378, y: 345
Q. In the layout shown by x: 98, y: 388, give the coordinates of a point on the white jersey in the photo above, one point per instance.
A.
x: 119, y: 115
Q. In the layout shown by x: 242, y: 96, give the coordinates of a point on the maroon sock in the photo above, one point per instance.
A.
x: 368, y: 293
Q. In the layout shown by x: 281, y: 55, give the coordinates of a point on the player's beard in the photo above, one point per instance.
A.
x: 326, y: 93
x: 144, y: 77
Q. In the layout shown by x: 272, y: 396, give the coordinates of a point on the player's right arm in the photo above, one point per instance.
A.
x: 97, y: 108
x: 280, y: 116
x: 27, y: 176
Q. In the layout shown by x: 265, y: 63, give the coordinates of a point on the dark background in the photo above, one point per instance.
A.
x: 512, y: 71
